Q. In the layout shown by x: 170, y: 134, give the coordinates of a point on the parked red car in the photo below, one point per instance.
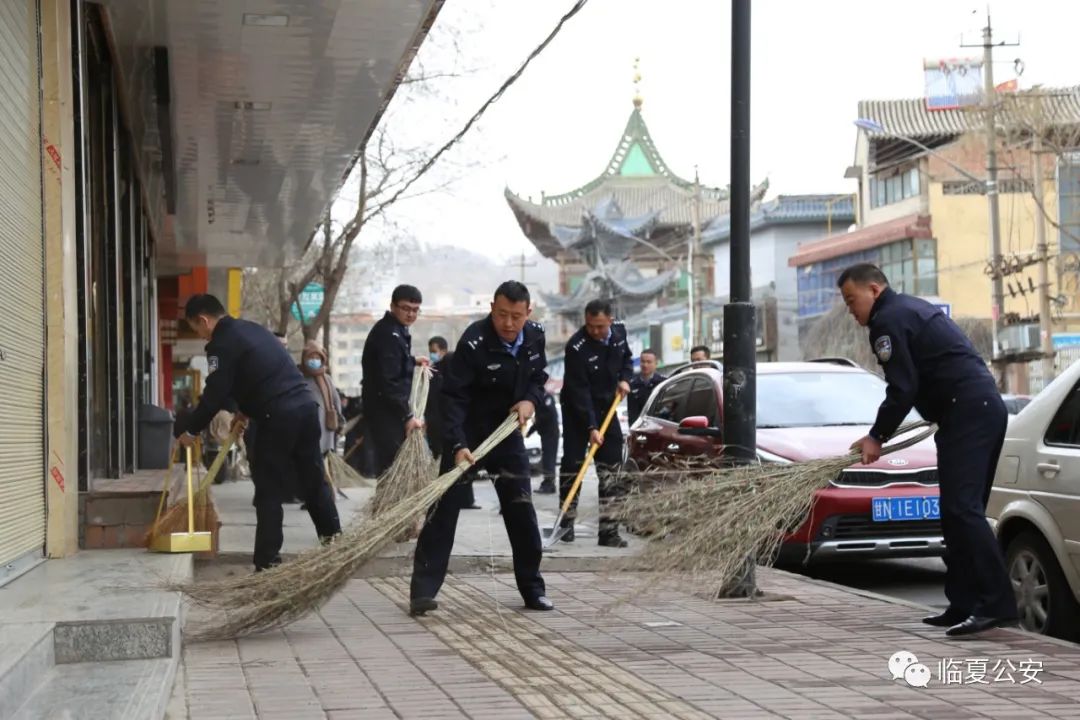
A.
x: 808, y: 410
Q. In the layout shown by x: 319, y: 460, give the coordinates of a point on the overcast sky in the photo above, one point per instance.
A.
x: 812, y: 62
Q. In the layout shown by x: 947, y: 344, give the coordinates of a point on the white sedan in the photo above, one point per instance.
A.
x: 1035, y: 507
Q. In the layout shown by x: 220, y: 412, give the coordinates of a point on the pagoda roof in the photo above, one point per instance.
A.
x: 637, y: 181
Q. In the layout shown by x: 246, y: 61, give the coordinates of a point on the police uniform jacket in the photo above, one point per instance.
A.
x: 433, y: 413
x: 388, y: 365
x: 249, y: 369
x: 928, y: 361
x: 640, y: 390
x: 593, y: 371
x: 486, y: 379
x: 547, y: 416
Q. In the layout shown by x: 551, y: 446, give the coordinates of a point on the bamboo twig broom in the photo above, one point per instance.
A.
x: 705, y: 524
x: 413, y: 467
x: 278, y: 596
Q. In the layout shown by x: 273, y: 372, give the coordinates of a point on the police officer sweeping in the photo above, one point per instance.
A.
x: 599, y: 364
x: 388, y: 364
x: 642, y: 385
x: 251, y: 368
x: 440, y: 356
x: 931, y: 365
x: 547, y: 426
x: 498, y: 368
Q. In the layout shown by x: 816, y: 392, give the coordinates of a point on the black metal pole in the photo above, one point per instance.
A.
x: 740, y: 361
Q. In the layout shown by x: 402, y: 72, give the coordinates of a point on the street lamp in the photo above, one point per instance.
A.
x: 989, y: 186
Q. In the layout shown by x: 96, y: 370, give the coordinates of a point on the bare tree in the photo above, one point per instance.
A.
x: 836, y: 334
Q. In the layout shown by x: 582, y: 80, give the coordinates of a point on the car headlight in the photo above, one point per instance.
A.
x: 767, y: 457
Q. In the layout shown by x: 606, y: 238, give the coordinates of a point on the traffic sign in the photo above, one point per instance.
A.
x: 309, y: 302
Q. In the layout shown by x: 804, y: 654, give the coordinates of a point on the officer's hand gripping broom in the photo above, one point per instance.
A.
x: 556, y: 531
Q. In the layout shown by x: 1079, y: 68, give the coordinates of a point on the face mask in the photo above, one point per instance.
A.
x: 314, y: 363
x: 434, y: 357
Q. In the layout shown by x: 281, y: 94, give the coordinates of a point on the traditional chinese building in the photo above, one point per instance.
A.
x: 625, y: 235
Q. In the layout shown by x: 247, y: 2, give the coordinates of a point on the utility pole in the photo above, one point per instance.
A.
x: 1046, y: 330
x: 522, y: 265
x: 740, y: 361
x: 694, y: 299
x: 997, y: 296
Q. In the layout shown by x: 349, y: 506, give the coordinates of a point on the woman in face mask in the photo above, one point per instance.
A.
x: 313, y: 366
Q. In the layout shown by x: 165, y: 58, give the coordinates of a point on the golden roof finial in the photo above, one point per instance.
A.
x: 638, y: 100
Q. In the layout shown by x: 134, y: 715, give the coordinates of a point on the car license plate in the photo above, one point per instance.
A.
x: 913, y: 507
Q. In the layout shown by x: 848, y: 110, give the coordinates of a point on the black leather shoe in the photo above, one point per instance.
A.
x: 546, y: 488
x: 568, y: 536
x: 419, y: 606
x: 614, y: 540
x: 975, y: 624
x: 540, y: 603
x: 945, y: 619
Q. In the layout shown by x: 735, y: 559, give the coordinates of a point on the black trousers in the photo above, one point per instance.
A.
x: 385, y: 433
x: 509, y: 466
x: 549, y: 444
x: 287, y: 446
x: 969, y: 442
x: 608, y: 458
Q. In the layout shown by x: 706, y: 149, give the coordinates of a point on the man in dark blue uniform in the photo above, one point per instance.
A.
x: 497, y: 369
x: 931, y: 365
x: 547, y: 426
x: 388, y: 365
x: 599, y: 364
x: 250, y: 368
x: 440, y: 355
x: 642, y: 385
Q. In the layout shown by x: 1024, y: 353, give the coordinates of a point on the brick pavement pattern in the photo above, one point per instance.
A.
x: 811, y: 651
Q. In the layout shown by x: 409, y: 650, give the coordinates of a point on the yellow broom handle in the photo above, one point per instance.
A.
x: 168, y: 478
x: 190, y: 498
x: 589, y: 456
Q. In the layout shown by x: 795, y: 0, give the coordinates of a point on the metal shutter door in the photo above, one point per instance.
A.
x: 22, y: 322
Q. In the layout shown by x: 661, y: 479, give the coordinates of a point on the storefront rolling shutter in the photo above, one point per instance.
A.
x: 22, y: 321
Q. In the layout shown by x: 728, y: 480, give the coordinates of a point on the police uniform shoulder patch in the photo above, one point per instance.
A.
x: 212, y: 363
x: 538, y: 326
x: 883, y: 348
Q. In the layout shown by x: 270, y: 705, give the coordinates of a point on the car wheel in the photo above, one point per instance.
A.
x: 1043, y: 596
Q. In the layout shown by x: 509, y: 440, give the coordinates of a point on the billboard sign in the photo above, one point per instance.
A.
x: 953, y: 83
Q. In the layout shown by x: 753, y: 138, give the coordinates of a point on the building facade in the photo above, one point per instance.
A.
x: 926, y: 222
x: 146, y: 149
x: 777, y: 228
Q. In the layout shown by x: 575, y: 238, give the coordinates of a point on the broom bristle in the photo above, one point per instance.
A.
x: 412, y: 469
x: 283, y: 594
x: 706, y: 523
x: 344, y: 474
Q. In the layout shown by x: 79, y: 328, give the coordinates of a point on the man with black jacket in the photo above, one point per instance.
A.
x: 599, y: 365
x: 388, y: 364
x: 497, y: 369
x: 439, y: 353
x: 249, y: 368
x: 930, y: 365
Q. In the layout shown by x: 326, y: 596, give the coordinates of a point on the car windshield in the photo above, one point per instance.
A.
x: 807, y: 399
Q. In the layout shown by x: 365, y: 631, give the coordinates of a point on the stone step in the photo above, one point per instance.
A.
x: 93, y: 635
x: 26, y: 655
x: 120, y: 690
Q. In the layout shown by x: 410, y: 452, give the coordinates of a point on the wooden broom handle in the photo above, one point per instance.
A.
x: 589, y: 455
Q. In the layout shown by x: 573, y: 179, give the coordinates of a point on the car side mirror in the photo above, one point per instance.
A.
x: 698, y: 426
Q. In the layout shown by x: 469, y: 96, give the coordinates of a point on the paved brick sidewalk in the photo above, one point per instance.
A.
x: 815, y: 651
